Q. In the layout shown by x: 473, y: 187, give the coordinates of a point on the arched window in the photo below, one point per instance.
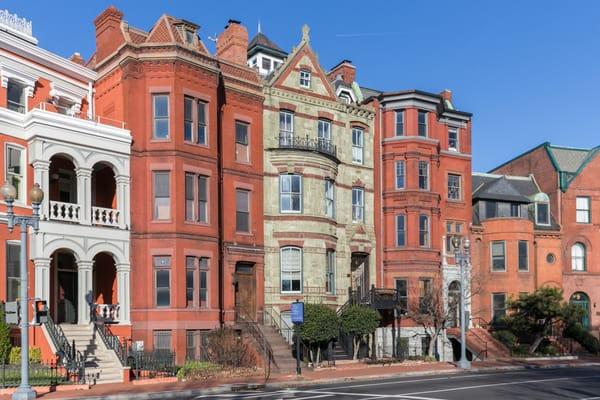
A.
x: 291, y: 269
x: 578, y: 257
x: 581, y: 299
x: 542, y: 209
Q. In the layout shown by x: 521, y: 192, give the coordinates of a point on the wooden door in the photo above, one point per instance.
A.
x: 245, y: 292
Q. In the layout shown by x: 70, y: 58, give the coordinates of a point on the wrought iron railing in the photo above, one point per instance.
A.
x: 273, y: 318
x: 72, y: 359
x: 111, y: 341
x: 152, y: 364
x: 250, y: 326
x: 323, y: 146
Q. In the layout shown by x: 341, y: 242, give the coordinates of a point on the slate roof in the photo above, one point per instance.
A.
x: 262, y: 42
x: 568, y: 159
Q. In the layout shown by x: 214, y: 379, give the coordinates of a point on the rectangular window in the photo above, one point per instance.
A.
x: 582, y: 205
x: 188, y: 119
x: 329, y: 198
x: 523, y: 255
x: 454, y: 192
x: 192, y: 345
x: 498, y: 256
x: 542, y: 213
x: 190, y: 201
x: 324, y: 131
x: 358, y: 205
x: 286, y: 128
x: 201, y: 123
x: 162, y: 340
x: 241, y: 142
x: 425, y: 292
x: 423, y: 231
x: 498, y: 306
x: 290, y: 193
x: 162, y: 200
x: 266, y: 63
x: 291, y: 269
x: 203, y: 278
x: 16, y: 97
x: 423, y: 175
x: 196, y: 197
x: 190, y: 278
x: 305, y: 78
x: 453, y: 139
x: 400, y: 230
x: 490, y: 209
x: 400, y: 175
x: 162, y: 280
x: 13, y: 270
x: 242, y: 210
x: 399, y: 122
x: 515, y: 210
x: 330, y: 271
x: 14, y: 170
x: 202, y: 198
x: 402, y: 289
x: 160, y: 107
x: 423, y: 123
x: 357, y: 145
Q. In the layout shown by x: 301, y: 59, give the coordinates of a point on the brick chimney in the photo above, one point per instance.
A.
x: 446, y: 94
x: 108, y: 32
x: 232, y: 43
x: 345, y: 70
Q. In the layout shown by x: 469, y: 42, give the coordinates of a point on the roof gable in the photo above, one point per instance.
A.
x: 161, y: 32
x: 287, y: 77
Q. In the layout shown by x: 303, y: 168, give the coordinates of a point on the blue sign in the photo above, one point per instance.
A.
x: 297, y: 312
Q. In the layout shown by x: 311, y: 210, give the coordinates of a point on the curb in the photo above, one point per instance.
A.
x: 228, y: 388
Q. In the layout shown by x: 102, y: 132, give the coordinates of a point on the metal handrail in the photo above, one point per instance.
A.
x: 307, y: 143
x: 251, y: 327
x: 278, y: 323
x: 111, y: 341
x: 485, y: 345
x: 68, y: 355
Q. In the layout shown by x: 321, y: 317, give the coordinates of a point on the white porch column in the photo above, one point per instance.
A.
x: 123, y: 292
x: 123, y: 201
x: 41, y: 175
x: 84, y: 194
x: 42, y: 278
x: 84, y: 291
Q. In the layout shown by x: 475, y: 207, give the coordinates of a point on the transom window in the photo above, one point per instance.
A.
x: 422, y: 123
x: 498, y: 256
x: 358, y: 205
x: 583, y: 210
x: 453, y: 139
x: 290, y: 193
x: 399, y: 122
x: 291, y: 269
x: 454, y: 187
x: 578, y: 259
x: 423, y: 175
x: 160, y: 113
x: 305, y: 78
x: 400, y: 174
x: 357, y: 145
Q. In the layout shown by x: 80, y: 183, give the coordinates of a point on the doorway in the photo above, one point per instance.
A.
x: 359, y: 270
x: 65, y: 293
x: 245, y: 292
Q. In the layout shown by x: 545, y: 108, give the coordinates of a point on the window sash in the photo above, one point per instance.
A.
x: 402, y: 289
x: 160, y: 106
x: 422, y: 119
x: 523, y: 255
x: 453, y: 139
x: 305, y: 78
x: 162, y: 340
x: 357, y: 145
x: 454, y: 192
x: 13, y: 270
x: 400, y: 175
x: 329, y: 198
x: 498, y: 305
x: 201, y: 122
x: 542, y: 213
x: 188, y: 119
x: 14, y: 169
x: 162, y: 200
x: 324, y: 130
x: 242, y: 211
x: 498, y: 254
x: 162, y: 284
x: 291, y: 269
x: 190, y: 279
x: 424, y: 231
x: 399, y: 123
x: 330, y: 271
x: 15, y: 96
x: 290, y: 193
x: 400, y: 230
x: 578, y: 257
x: 358, y: 205
x: 202, y: 198
x: 266, y: 63
x: 582, y: 207
x: 423, y: 175
x: 190, y: 212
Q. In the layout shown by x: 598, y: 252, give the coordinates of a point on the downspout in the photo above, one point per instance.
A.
x: 220, y: 106
x: 535, y: 261
x: 381, y: 221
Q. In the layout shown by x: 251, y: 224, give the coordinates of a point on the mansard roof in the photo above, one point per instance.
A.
x: 261, y: 42
x: 503, y: 187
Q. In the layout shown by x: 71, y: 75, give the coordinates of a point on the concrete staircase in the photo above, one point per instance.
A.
x: 282, y: 351
x: 481, y: 343
x: 100, y: 362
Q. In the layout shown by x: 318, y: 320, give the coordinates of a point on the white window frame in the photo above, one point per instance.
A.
x: 454, y: 131
x: 426, y: 243
x: 324, y: 130
x: 290, y: 272
x: 403, y: 170
x: 21, y: 195
x: 358, y: 207
x: 358, y: 145
x: 305, y: 78
x: 497, y: 242
x: 425, y: 176
x: 425, y: 124
x: 583, y: 211
x: 537, y: 220
x: 244, y: 192
x: 402, y: 116
x: 155, y: 213
x: 23, y: 101
x: 581, y: 265
x: 458, y: 189
x: 286, y: 128
x: 155, y: 118
x: 329, y: 198
x: 291, y: 193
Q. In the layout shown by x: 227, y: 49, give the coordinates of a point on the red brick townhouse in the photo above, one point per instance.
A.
x: 196, y: 167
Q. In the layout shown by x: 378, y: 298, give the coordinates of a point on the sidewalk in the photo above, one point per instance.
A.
x: 341, y: 373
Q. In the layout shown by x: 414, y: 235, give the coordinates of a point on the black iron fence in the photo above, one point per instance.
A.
x: 40, y: 374
x: 152, y: 364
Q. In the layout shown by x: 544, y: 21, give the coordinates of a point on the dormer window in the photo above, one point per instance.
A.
x: 542, y: 209
x: 305, y: 78
x: 345, y: 97
x: 266, y: 63
x: 16, y: 97
x: 189, y: 36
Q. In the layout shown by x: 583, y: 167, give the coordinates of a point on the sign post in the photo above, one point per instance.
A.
x: 297, y: 313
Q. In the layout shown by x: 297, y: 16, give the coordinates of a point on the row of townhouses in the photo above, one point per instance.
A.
x: 186, y: 190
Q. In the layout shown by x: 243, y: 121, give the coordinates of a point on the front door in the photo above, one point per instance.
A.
x: 245, y: 292
x: 359, y: 270
x: 66, y: 289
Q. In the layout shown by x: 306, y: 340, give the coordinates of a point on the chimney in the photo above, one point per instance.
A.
x: 77, y: 59
x: 232, y: 43
x: 345, y: 70
x: 108, y: 32
x: 446, y: 94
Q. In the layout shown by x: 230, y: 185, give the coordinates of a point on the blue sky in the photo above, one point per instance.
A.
x: 529, y: 71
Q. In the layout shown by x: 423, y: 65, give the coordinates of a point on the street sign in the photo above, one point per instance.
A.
x: 12, y: 312
x: 297, y: 312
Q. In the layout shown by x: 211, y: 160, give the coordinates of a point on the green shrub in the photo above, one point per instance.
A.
x: 35, y: 355
x: 505, y: 337
x: 14, y: 356
x: 195, y: 370
x: 5, y: 344
x: 359, y: 321
x: 583, y: 337
x: 321, y: 324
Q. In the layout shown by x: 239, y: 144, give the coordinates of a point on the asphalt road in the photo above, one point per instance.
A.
x: 543, y: 384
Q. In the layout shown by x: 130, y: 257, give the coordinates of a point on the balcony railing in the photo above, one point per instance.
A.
x: 68, y: 212
x: 70, y: 111
x: 324, y: 146
x: 105, y: 216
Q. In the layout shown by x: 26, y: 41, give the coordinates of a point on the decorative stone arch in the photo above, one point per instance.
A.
x: 118, y: 166
x: 566, y: 251
x: 64, y: 244
x: 75, y: 156
x: 105, y: 247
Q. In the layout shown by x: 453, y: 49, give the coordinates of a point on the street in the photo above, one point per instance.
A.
x: 546, y: 384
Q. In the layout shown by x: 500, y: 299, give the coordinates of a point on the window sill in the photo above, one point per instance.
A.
x: 156, y: 140
x: 290, y: 212
x: 286, y: 293
x: 501, y: 272
x: 523, y: 271
x: 244, y: 233
x: 161, y: 221
x: 204, y: 146
x: 196, y: 223
x: 243, y: 162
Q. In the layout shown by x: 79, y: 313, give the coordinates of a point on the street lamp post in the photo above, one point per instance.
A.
x: 36, y: 195
x: 462, y: 258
